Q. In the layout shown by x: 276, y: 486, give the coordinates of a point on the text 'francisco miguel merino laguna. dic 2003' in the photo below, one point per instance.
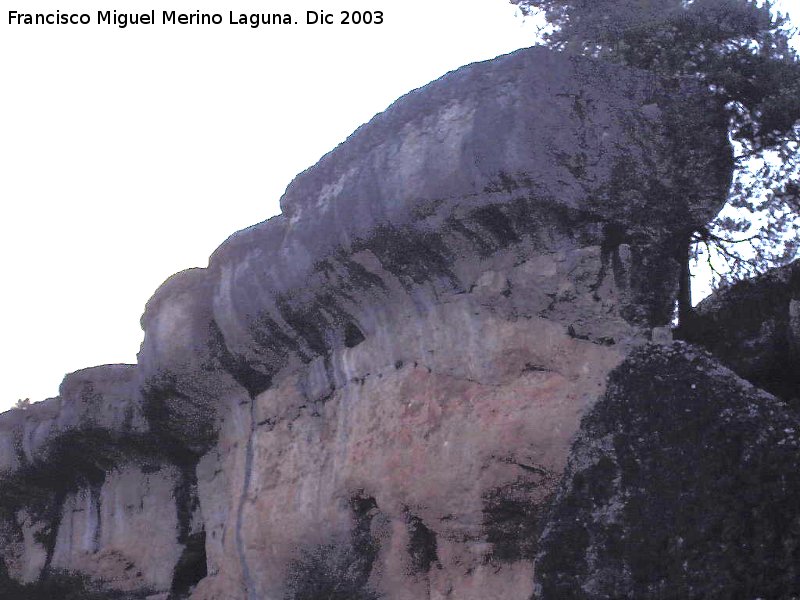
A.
x: 171, y: 17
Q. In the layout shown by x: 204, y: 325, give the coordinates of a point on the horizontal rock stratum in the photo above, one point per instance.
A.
x: 376, y: 394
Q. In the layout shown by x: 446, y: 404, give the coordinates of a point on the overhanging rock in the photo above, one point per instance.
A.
x: 374, y: 393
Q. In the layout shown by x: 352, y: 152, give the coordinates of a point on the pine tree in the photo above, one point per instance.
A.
x: 741, y: 50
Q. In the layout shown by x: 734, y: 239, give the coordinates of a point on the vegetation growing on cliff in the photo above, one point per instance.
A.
x: 741, y: 49
x: 61, y: 585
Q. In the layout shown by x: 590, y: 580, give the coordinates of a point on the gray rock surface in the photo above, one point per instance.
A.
x: 98, y: 399
x: 374, y: 394
x: 683, y: 483
x: 84, y: 477
x: 472, y: 164
x: 184, y: 368
x: 754, y: 328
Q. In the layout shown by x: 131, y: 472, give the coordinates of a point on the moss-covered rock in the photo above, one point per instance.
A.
x: 683, y: 484
x: 753, y: 327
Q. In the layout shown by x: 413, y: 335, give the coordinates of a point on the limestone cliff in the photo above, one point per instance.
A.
x: 376, y: 394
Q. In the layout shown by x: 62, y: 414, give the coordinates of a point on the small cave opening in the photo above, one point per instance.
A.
x: 191, y: 567
x: 353, y: 336
x: 422, y: 547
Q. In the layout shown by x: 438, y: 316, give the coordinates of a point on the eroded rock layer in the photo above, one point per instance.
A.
x: 374, y: 394
x: 89, y: 488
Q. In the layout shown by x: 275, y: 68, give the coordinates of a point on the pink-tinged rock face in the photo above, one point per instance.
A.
x: 442, y: 450
x: 377, y: 390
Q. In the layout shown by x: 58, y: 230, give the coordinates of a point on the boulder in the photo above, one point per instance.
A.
x: 753, y: 327
x: 532, y: 153
x: 683, y: 483
x: 185, y: 373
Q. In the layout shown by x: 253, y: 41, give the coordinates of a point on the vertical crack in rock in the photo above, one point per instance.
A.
x: 250, y: 588
x: 191, y: 567
x: 93, y: 501
x: 52, y: 518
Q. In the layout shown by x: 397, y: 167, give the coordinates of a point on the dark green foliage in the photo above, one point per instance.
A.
x: 414, y: 257
x: 192, y: 565
x: 738, y: 46
x: 242, y: 372
x: 81, y: 458
x: 180, y: 422
x: 741, y: 50
x: 74, y: 459
x: 331, y: 572
x: 496, y: 222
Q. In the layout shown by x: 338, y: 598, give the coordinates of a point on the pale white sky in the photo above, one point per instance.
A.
x: 128, y: 155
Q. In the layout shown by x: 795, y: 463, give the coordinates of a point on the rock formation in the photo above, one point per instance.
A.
x: 379, y: 392
x: 754, y: 328
x: 683, y: 483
